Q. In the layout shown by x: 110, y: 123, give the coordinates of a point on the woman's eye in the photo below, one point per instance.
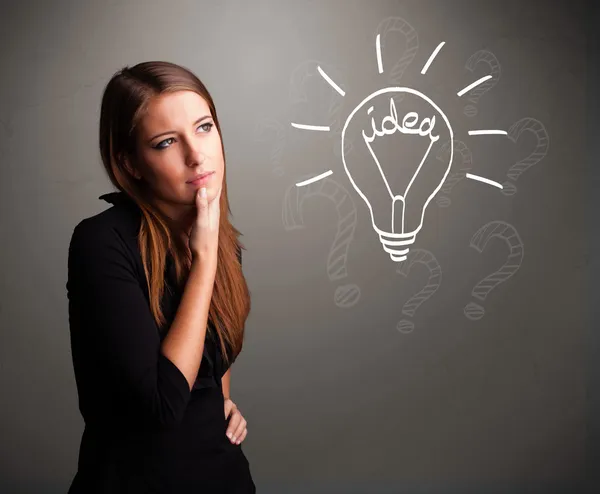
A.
x: 209, y: 124
x: 158, y: 146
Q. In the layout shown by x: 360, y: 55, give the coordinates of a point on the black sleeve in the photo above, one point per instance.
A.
x: 114, y: 325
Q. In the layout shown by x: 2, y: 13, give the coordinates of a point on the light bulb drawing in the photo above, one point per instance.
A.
x: 396, y: 243
x: 410, y: 175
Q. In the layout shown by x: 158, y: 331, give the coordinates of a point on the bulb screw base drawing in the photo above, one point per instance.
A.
x: 397, y: 248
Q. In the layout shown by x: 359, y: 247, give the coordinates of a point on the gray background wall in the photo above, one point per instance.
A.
x: 338, y: 394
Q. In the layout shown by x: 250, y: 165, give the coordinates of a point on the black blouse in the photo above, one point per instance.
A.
x: 145, y: 431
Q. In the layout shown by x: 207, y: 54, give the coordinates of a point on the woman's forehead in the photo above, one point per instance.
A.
x: 171, y: 110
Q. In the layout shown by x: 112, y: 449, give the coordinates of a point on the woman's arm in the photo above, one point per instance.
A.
x: 184, y: 343
x: 123, y: 373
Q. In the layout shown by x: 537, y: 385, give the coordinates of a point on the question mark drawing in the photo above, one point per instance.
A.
x: 487, y: 57
x: 508, y: 233
x: 263, y: 131
x: 398, y: 24
x: 425, y: 257
x: 454, y: 177
x: 345, y: 295
x: 541, y: 149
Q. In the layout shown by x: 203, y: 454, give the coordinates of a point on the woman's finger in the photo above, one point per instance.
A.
x: 202, y: 204
x: 239, y: 430
x: 234, y: 421
x: 242, y: 436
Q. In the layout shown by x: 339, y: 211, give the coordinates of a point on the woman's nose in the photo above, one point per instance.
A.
x: 195, y: 156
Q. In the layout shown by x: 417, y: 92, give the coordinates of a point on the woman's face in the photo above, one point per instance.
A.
x: 178, y: 140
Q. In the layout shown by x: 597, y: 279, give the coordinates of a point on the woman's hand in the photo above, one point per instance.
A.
x: 236, y: 431
x: 204, y: 235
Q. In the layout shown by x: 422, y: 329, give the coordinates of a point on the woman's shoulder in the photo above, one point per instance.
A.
x: 117, y: 226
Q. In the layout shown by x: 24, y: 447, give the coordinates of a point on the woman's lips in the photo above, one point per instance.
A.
x: 203, y: 180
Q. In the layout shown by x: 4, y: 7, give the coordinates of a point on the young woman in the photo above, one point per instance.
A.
x: 157, y: 298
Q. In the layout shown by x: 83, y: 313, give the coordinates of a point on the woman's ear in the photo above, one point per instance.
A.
x: 130, y: 169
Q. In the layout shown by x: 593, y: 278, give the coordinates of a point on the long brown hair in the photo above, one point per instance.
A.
x: 124, y: 102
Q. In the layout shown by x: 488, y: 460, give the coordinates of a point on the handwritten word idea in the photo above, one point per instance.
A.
x: 407, y: 127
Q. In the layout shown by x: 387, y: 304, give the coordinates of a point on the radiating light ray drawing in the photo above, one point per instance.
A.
x: 408, y: 203
x: 385, y: 29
